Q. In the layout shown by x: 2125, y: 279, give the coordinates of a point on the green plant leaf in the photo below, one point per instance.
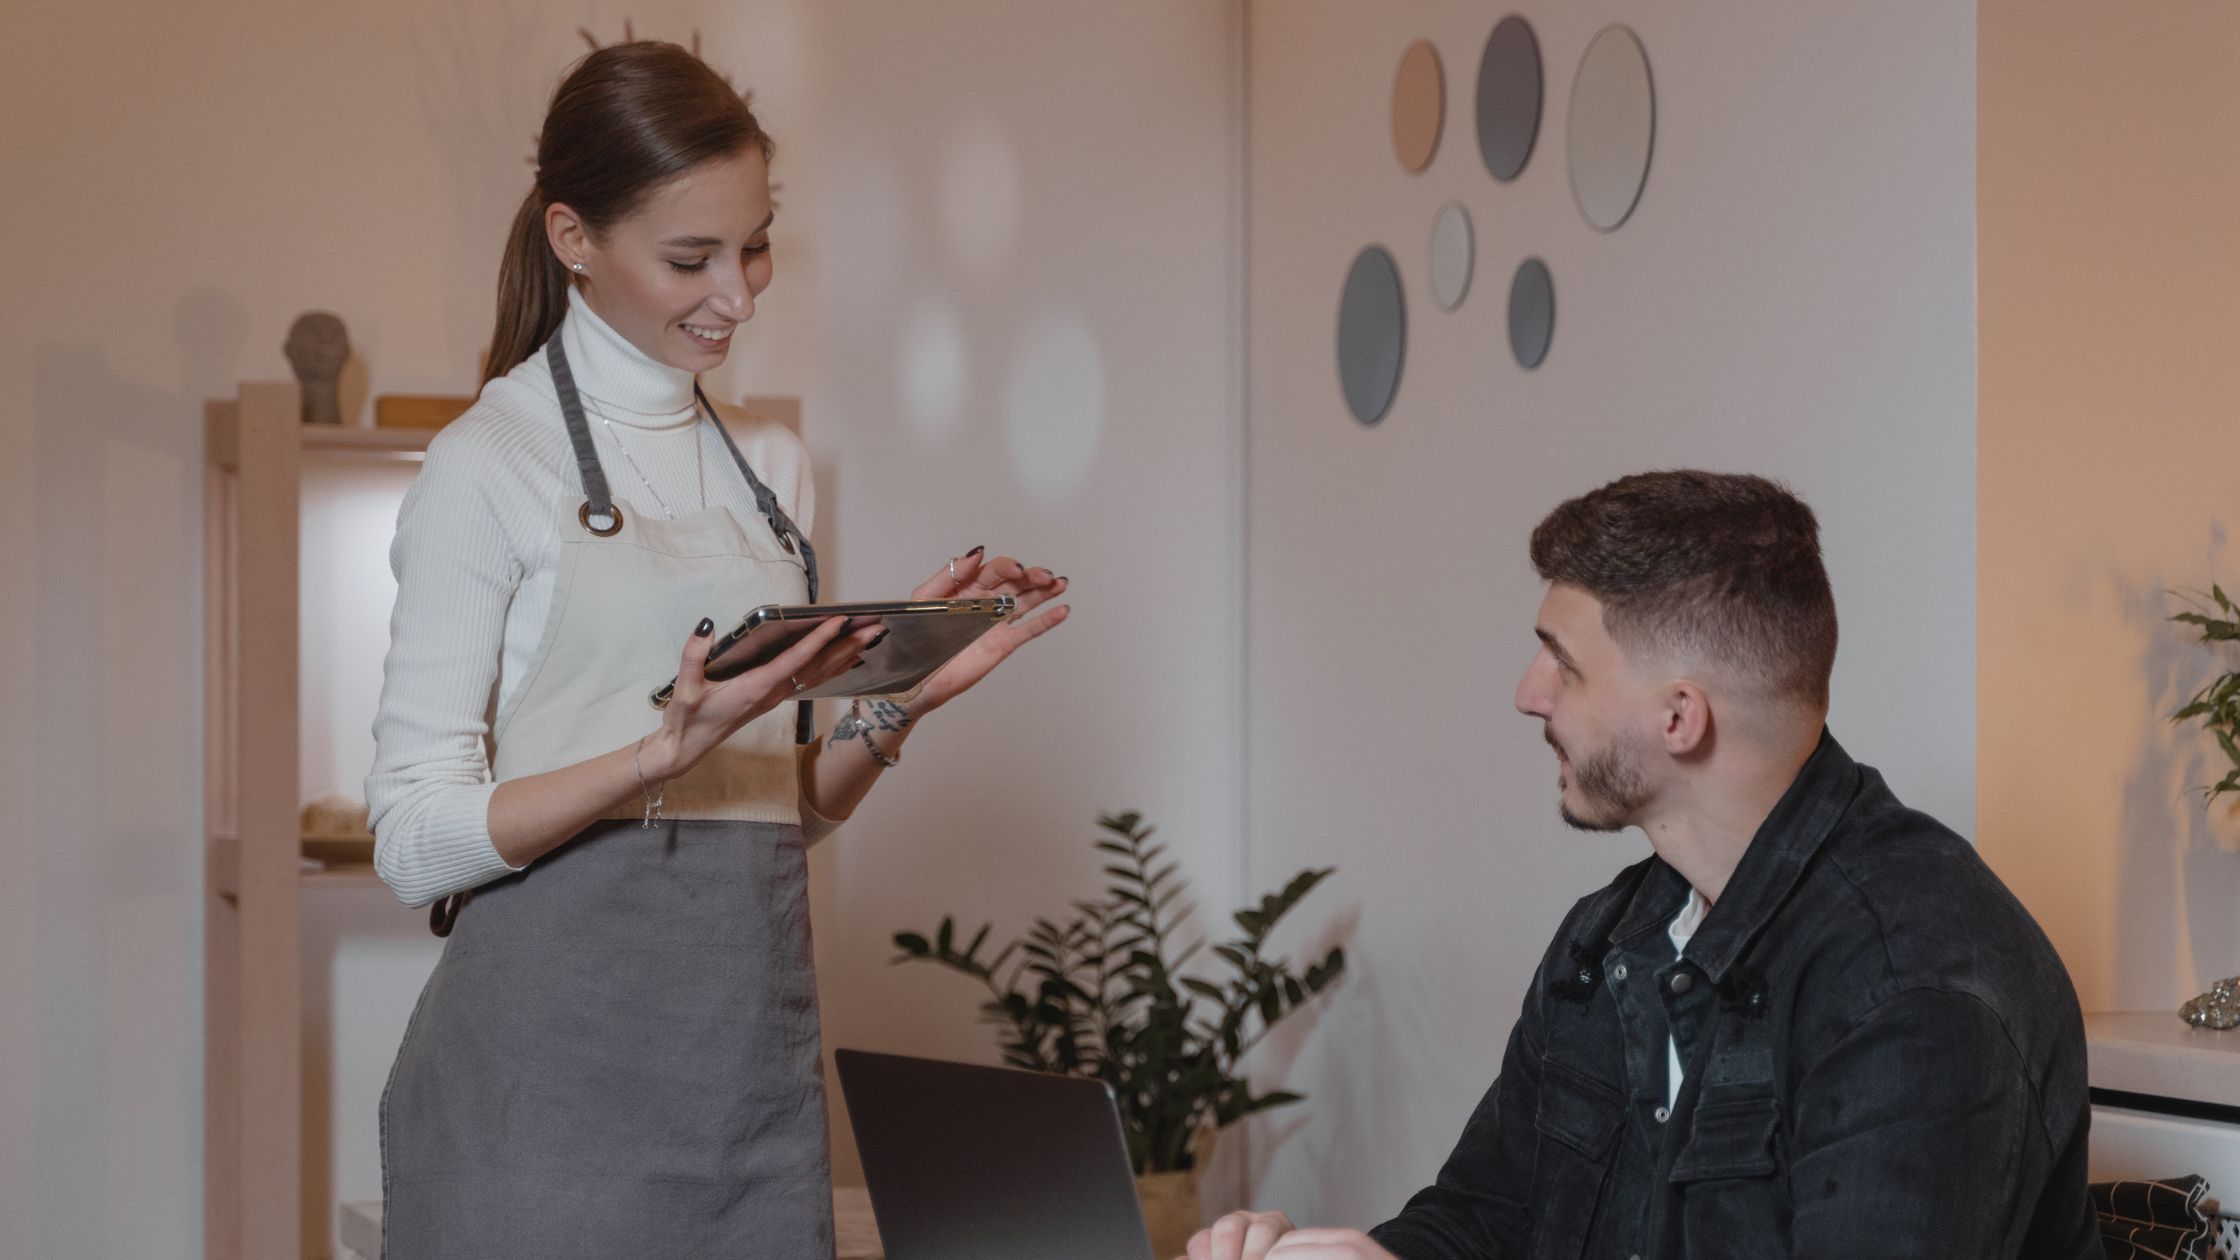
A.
x: 1274, y: 1098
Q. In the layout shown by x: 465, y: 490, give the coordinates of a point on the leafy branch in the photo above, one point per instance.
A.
x: 1105, y: 994
x: 2217, y: 704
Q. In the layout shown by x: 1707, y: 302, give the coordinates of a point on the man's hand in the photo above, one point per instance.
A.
x: 1270, y: 1236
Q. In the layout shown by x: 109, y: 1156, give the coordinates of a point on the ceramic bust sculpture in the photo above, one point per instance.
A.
x: 317, y: 347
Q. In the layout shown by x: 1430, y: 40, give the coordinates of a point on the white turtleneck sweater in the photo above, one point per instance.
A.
x: 477, y: 541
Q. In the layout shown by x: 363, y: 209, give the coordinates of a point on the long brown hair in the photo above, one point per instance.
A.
x: 628, y: 118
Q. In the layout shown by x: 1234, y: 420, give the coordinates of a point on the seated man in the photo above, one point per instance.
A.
x: 1814, y: 1023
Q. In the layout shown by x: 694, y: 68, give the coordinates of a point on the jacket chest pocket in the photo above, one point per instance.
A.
x: 1577, y: 1122
x: 1726, y: 1175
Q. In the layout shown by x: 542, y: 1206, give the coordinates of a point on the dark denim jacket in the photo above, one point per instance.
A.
x: 1884, y: 1058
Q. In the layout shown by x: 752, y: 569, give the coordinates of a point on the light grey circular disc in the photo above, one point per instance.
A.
x: 1613, y: 127
x: 1372, y: 334
x: 1452, y: 254
x: 1509, y: 94
x: 1532, y: 312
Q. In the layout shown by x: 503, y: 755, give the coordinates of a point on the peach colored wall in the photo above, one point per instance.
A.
x: 2108, y: 470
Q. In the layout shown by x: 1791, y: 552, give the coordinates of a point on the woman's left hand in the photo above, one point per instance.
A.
x: 976, y: 575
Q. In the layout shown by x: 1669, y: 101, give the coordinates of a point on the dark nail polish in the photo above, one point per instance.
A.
x: 704, y: 629
x: 877, y: 639
x: 977, y: 550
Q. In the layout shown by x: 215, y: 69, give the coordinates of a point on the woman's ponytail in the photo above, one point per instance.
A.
x: 627, y: 119
x: 532, y: 291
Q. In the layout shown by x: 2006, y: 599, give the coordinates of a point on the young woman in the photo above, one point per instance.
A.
x: 617, y: 1054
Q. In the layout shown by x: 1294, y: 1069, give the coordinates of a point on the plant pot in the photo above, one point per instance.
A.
x: 1170, y: 1210
x: 1170, y: 1199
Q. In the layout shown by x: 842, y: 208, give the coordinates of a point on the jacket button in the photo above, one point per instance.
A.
x: 1663, y: 1114
x: 1682, y: 982
x: 1618, y: 972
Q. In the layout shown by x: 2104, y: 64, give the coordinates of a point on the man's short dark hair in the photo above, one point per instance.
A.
x: 1721, y: 566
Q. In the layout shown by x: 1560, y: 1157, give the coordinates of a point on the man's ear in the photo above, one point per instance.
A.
x: 1687, y: 718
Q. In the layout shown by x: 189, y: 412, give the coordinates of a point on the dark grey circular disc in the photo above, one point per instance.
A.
x: 1372, y: 334
x: 1532, y: 312
x: 1509, y: 95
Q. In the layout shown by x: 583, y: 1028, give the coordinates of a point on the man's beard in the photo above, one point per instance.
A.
x: 1612, y: 788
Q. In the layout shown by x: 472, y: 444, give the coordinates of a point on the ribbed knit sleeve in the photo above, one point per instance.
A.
x: 429, y: 792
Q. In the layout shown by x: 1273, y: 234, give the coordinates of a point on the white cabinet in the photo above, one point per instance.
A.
x: 2166, y: 1102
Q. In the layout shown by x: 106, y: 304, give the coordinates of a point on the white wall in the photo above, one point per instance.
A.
x: 1794, y: 296
x: 1048, y: 190
x: 183, y: 180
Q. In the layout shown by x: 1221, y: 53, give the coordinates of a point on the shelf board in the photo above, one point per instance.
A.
x: 344, y: 439
x: 341, y: 877
x: 2157, y: 1053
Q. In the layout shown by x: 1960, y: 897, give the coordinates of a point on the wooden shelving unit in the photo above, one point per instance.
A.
x: 253, y: 1073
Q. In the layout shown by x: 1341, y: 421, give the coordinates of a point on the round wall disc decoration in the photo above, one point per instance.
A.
x: 1419, y: 105
x: 1532, y: 312
x: 1612, y: 128
x: 1452, y: 253
x: 1509, y: 93
x: 1372, y: 334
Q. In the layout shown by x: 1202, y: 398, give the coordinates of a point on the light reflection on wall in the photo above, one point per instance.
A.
x: 933, y: 370
x: 1056, y: 406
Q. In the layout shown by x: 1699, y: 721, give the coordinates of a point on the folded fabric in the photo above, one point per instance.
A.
x: 2153, y: 1220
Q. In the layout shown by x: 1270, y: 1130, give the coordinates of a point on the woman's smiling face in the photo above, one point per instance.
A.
x: 683, y: 270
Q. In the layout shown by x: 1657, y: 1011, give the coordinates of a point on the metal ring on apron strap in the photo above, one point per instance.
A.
x: 583, y: 514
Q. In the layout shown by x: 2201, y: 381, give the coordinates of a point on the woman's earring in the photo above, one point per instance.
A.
x: 576, y: 267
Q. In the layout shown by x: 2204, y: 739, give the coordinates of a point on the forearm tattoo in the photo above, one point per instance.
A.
x: 861, y: 719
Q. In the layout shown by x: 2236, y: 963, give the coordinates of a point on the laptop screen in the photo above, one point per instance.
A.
x: 989, y: 1163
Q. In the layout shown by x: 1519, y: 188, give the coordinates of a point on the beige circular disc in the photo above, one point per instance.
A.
x: 1419, y: 105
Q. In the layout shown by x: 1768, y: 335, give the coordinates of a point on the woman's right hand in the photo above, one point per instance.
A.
x: 702, y: 714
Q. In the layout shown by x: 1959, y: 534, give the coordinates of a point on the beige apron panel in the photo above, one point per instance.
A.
x: 621, y: 610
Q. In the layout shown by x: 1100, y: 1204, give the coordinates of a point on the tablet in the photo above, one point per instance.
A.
x: 922, y: 636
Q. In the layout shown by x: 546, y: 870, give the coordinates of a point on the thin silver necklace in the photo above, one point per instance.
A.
x: 699, y: 458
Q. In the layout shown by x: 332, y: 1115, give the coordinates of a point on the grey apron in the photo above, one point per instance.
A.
x: 617, y: 1054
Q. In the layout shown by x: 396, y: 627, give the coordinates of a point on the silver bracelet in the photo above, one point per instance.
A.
x: 653, y: 801
x: 886, y: 716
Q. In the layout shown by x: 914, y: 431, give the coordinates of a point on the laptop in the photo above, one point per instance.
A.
x: 979, y: 1163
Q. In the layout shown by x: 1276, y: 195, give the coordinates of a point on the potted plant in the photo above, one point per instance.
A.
x: 1104, y: 993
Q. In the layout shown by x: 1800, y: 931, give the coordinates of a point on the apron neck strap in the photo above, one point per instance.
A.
x: 804, y: 725
x: 789, y: 534
x: 597, y: 501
